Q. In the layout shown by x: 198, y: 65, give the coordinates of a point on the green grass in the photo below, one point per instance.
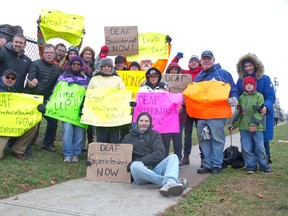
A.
x: 233, y: 192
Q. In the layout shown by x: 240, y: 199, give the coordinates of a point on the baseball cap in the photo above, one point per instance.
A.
x: 207, y: 53
x: 9, y: 71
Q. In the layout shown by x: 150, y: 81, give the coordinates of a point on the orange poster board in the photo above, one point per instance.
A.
x: 208, y: 99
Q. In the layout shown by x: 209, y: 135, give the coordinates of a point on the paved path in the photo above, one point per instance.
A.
x: 85, y: 198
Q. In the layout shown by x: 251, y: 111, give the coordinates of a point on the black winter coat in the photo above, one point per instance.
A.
x: 46, y: 74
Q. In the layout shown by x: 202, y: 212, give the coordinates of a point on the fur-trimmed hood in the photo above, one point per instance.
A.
x: 259, y: 67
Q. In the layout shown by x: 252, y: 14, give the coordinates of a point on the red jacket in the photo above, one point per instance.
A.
x: 192, y: 72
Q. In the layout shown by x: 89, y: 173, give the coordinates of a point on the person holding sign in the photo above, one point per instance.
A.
x: 149, y: 164
x: 194, y: 68
x: 73, y: 136
x: 107, y: 77
x: 7, y: 84
x: 174, y: 68
x: 210, y: 131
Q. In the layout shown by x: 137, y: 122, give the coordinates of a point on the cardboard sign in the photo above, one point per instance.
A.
x: 177, y: 82
x: 121, y: 40
x: 109, y: 162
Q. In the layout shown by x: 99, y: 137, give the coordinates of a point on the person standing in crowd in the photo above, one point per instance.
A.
x: 174, y: 68
x: 250, y: 65
x: 73, y: 136
x: 213, y: 148
x: 74, y: 51
x: 134, y: 66
x: 107, y: 77
x: 194, y: 69
x: 252, y: 126
x: 88, y: 56
x: 41, y: 80
x: 18, y: 150
x: 120, y: 63
x: 12, y: 57
x: 149, y: 164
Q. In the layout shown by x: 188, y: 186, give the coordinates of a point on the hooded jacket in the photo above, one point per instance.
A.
x: 19, y: 62
x: 147, y: 147
x: 264, y: 86
x: 247, y: 115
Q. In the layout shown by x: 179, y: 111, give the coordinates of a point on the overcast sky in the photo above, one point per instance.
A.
x: 229, y: 28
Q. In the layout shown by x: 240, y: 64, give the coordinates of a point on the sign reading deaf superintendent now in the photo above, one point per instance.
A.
x: 121, y: 40
x: 108, y: 162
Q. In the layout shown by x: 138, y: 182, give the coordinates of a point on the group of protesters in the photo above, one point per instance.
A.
x: 253, y: 97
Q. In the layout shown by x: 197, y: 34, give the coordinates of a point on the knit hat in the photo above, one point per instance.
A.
x: 119, y: 59
x: 106, y: 61
x: 76, y: 58
x: 73, y: 48
x: 136, y: 64
x: 194, y: 57
x: 153, y: 72
x: 146, y: 114
x: 250, y: 79
x: 9, y: 71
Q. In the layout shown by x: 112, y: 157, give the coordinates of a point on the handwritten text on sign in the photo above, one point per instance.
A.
x: 177, y: 82
x: 107, y: 107
x: 132, y: 80
x: 65, y: 103
x: 109, y: 162
x: 121, y: 40
x: 18, y: 113
x: 56, y: 24
x: 163, y: 107
x: 208, y: 99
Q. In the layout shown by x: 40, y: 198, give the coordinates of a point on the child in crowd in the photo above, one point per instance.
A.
x: 252, y: 126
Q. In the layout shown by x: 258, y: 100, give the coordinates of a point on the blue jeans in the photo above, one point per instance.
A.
x: 213, y: 148
x: 253, y: 150
x: 50, y: 133
x: 177, y: 142
x: 72, y: 139
x: 188, y: 135
x: 167, y: 171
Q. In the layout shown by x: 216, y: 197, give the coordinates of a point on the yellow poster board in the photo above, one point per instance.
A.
x: 18, y: 113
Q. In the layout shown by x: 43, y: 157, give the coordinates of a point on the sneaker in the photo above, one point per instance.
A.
x: 185, y: 160
x: 67, y: 160
x: 204, y: 170
x: 172, y: 189
x: 216, y: 170
x: 184, y: 182
x: 250, y: 170
x: 75, y: 159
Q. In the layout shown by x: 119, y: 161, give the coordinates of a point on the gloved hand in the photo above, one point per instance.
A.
x: 129, y: 165
x: 233, y: 101
x: 132, y: 104
x: 179, y: 55
x: 41, y: 108
x: 168, y: 39
x: 88, y: 163
x: 103, y: 52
